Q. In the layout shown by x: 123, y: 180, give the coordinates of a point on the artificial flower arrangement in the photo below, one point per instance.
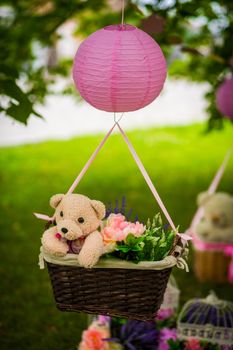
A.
x: 106, y: 333
x: 90, y: 242
x: 133, y: 241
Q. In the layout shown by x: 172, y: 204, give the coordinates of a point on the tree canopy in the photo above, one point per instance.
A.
x: 195, y: 35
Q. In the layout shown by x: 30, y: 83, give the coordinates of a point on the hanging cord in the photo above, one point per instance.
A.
x: 94, y: 154
x: 115, y: 117
x: 212, y: 189
x: 91, y: 159
x: 83, y: 171
x: 122, y: 12
x: 140, y: 166
x: 151, y: 186
x: 147, y: 178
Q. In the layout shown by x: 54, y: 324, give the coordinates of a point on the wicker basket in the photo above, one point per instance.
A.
x: 113, y: 287
x: 211, y: 266
x: 135, y: 294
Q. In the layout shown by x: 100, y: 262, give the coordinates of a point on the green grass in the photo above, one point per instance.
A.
x: 181, y: 162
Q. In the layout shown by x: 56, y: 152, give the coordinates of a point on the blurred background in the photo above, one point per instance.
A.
x: 47, y: 133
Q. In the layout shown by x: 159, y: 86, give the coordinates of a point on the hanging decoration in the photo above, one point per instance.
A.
x: 209, y: 319
x: 119, y: 68
x: 224, y: 98
x: 212, y: 232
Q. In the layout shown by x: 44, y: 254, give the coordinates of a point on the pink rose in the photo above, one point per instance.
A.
x: 117, y: 229
x: 193, y: 344
x: 92, y: 340
x: 136, y: 229
x: 164, y: 314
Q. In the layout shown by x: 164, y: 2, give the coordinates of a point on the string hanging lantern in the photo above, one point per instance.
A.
x: 224, y: 98
x: 119, y: 68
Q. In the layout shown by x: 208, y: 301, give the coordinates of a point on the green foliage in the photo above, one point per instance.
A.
x: 153, y: 245
x: 197, y: 40
x: 180, y: 345
x: 29, y: 34
x: 175, y: 344
x: 195, y: 35
x: 31, y: 174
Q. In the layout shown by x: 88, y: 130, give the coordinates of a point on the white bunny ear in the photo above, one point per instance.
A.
x: 99, y: 208
x: 203, y: 198
x: 55, y: 200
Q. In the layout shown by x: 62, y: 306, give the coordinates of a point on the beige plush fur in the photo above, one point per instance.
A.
x: 76, y: 217
x: 217, y: 223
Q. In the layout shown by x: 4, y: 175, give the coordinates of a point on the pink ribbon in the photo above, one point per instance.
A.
x: 141, y: 167
x: 151, y: 185
x: 91, y: 159
x: 229, y: 251
x: 82, y: 173
x: 43, y: 217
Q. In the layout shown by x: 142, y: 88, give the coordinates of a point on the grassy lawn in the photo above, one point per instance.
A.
x: 181, y: 162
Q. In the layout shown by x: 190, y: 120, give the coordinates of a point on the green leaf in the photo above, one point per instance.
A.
x: 22, y: 110
x: 123, y: 248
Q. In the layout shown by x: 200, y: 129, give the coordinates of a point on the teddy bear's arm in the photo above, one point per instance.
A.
x: 52, y: 244
x: 92, y: 250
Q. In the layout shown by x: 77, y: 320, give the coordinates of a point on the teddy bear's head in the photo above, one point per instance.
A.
x: 76, y: 215
x: 217, y: 222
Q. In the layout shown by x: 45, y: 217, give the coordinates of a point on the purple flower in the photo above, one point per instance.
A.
x: 165, y: 335
x: 136, y: 335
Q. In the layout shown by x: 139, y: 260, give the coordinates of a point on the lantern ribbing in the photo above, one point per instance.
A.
x: 119, y: 69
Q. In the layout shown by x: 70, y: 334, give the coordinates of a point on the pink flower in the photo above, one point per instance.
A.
x: 103, y: 320
x: 117, y: 228
x: 193, y: 344
x: 165, y: 335
x: 164, y: 313
x: 92, y: 338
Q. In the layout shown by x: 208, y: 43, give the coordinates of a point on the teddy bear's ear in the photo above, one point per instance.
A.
x: 203, y: 198
x: 99, y: 208
x: 55, y: 200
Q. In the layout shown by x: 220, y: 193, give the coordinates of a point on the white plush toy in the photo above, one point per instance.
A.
x: 217, y: 222
x: 77, y: 219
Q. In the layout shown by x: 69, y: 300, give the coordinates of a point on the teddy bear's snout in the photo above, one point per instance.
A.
x: 69, y: 229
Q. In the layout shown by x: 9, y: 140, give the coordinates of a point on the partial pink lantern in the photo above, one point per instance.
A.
x: 224, y: 98
x: 119, y: 68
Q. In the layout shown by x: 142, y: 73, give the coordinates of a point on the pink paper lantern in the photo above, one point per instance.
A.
x: 119, y: 69
x: 224, y: 98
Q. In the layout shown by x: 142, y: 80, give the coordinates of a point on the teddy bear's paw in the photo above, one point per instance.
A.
x: 57, y: 249
x: 87, y: 261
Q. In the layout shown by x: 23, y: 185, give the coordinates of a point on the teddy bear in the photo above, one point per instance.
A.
x: 217, y: 222
x: 77, y: 219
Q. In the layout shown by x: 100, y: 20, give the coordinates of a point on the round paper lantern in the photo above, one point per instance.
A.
x: 224, y: 98
x: 119, y: 69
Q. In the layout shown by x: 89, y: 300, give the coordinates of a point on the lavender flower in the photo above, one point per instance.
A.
x: 135, y: 335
